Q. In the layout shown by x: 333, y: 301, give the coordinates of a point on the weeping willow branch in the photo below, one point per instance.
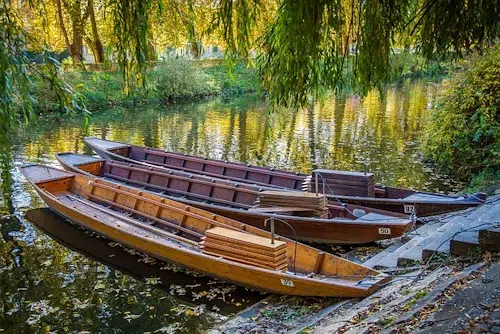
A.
x: 301, y: 53
x: 16, y: 73
x: 131, y: 18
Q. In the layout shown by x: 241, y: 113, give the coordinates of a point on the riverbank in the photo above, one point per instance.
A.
x: 178, y: 80
x: 171, y: 81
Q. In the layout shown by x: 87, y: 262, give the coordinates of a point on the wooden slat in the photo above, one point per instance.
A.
x: 279, y: 209
x: 176, y: 191
x: 248, y: 239
x: 238, y: 166
x: 158, y: 220
x: 133, y: 221
x: 246, y: 256
x: 245, y: 253
x: 178, y: 177
x: 213, y: 241
x: 166, y: 206
x: 244, y: 261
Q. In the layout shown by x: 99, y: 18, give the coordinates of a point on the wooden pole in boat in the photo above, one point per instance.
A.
x: 316, y: 181
x: 272, y: 230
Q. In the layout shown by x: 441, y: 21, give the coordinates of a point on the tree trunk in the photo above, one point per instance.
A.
x: 97, y: 47
x: 61, y: 24
x: 195, y: 48
x: 77, y: 45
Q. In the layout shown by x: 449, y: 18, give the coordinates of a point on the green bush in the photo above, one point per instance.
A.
x: 180, y: 79
x: 463, y: 129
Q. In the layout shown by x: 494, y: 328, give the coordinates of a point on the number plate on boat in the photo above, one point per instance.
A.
x: 409, y: 208
x: 287, y: 282
x: 384, y: 230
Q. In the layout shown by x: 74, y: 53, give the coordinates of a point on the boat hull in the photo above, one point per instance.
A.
x: 386, y: 198
x: 317, y: 230
x: 256, y: 278
x: 348, y: 232
x: 419, y: 209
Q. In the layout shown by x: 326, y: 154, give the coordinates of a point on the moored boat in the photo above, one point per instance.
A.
x: 348, y: 224
x: 172, y: 231
x: 349, y: 187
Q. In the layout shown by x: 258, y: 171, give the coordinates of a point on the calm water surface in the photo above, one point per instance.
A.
x: 84, y: 283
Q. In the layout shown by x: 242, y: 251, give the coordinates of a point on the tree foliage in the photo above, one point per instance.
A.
x: 16, y: 74
x: 304, y: 49
x: 463, y: 133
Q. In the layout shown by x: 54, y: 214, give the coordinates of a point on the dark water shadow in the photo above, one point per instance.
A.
x: 116, y: 257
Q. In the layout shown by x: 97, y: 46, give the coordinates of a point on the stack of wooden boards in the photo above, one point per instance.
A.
x: 344, y: 183
x: 295, y: 201
x: 245, y: 248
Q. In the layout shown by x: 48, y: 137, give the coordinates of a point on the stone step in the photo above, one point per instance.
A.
x: 415, y: 254
x: 490, y: 236
x: 477, y: 219
x: 391, y: 260
x: 465, y: 243
x: 371, y: 262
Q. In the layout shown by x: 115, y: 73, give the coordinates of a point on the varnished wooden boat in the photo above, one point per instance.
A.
x: 171, y: 231
x: 236, y: 201
x: 349, y: 187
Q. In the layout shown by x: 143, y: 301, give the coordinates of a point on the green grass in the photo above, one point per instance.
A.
x: 487, y: 180
x: 170, y: 81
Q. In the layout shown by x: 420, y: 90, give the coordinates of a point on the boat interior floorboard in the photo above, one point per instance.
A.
x: 113, y: 218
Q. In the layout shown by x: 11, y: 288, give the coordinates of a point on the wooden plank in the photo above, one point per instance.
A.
x: 176, y: 191
x: 211, y: 241
x: 158, y: 220
x: 130, y: 220
x: 250, y: 254
x: 182, y: 178
x: 290, y: 194
x: 164, y: 205
x: 230, y: 165
x: 257, y: 261
x: 244, y: 261
x: 244, y: 238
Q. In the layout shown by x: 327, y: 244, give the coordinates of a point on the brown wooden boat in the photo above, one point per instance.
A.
x: 236, y: 201
x: 349, y: 187
x: 172, y: 231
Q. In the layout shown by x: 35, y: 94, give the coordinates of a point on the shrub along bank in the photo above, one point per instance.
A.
x: 171, y: 81
x: 463, y: 129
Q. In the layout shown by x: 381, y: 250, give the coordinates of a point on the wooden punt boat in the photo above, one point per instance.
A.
x: 349, y: 187
x: 236, y: 201
x: 171, y: 231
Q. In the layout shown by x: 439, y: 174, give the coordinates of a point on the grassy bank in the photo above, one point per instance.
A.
x: 180, y: 79
x: 171, y: 81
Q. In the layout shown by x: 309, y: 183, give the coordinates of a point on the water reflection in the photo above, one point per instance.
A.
x: 46, y: 286
x: 381, y: 132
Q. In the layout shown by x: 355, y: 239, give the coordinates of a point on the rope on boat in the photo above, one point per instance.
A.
x: 412, y: 216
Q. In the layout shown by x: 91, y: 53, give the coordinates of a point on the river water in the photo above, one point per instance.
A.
x: 55, y: 277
